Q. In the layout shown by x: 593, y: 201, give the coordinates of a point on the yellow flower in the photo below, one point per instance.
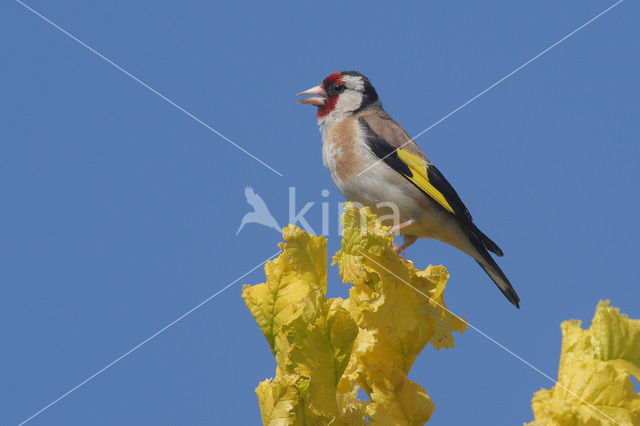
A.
x: 328, y: 349
x: 594, y: 386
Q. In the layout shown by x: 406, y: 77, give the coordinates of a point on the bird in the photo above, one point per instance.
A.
x: 260, y: 213
x: 374, y: 162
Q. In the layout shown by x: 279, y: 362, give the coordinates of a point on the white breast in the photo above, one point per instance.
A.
x: 345, y: 154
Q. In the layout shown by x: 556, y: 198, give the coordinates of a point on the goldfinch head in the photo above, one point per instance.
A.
x: 341, y: 94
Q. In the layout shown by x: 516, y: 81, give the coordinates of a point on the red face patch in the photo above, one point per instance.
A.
x: 336, y: 77
x: 331, y: 101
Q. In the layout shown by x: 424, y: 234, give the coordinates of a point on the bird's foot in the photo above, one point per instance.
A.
x: 399, y: 249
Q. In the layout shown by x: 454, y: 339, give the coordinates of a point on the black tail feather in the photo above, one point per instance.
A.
x: 488, y: 242
x: 479, y: 241
x: 502, y: 282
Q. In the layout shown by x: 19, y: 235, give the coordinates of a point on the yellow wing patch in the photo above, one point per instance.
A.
x: 418, y: 167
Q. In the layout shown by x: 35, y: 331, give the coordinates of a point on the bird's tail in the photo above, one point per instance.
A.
x: 501, y: 280
x: 487, y: 242
x: 492, y: 269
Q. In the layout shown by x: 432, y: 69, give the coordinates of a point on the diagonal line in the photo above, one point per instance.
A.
x: 145, y: 85
x: 491, y: 339
x: 495, y: 84
x: 136, y: 347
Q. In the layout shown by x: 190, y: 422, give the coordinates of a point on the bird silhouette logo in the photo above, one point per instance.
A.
x: 260, y: 213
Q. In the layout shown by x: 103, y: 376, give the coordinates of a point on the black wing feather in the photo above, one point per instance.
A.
x: 438, y: 180
x: 388, y: 153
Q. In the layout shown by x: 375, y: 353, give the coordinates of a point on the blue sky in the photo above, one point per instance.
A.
x: 119, y: 211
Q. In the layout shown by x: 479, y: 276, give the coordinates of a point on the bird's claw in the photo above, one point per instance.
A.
x: 399, y: 250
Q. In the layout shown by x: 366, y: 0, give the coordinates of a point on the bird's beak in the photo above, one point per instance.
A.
x: 317, y: 90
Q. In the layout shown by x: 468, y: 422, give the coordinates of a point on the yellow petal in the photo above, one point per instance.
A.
x: 596, y: 364
x: 280, y: 401
x: 326, y: 350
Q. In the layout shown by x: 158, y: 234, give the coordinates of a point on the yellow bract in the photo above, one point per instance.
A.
x: 328, y: 349
x: 594, y: 386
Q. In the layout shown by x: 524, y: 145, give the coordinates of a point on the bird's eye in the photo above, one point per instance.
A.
x: 338, y: 88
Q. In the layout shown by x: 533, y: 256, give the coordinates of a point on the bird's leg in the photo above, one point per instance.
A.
x: 407, y: 241
x: 399, y: 226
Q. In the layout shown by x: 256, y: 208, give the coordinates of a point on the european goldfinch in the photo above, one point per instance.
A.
x: 374, y: 162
